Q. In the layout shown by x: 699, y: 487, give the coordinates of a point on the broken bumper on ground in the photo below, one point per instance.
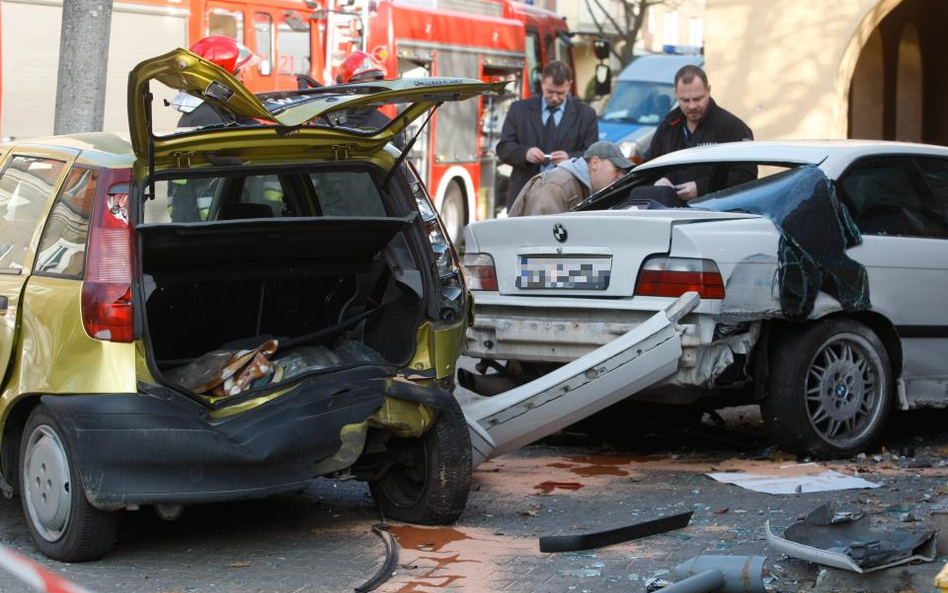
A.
x: 141, y: 448
x: 643, y: 356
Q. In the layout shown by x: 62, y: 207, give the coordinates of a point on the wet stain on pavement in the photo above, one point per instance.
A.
x: 589, y: 466
x: 547, y: 487
x: 612, y: 459
x: 428, y: 539
x: 433, y: 581
x: 438, y: 582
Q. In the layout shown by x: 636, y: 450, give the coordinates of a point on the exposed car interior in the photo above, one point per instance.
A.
x: 315, y: 259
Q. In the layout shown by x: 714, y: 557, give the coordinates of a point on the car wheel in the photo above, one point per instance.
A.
x: 63, y: 524
x: 452, y: 213
x: 431, y: 477
x: 829, y: 390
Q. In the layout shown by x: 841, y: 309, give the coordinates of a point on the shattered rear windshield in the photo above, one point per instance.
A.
x: 815, y: 232
x: 344, y: 193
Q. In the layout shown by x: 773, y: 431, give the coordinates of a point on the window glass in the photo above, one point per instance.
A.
x: 886, y: 196
x: 346, y: 193
x: 935, y: 172
x: 533, y: 61
x: 25, y: 186
x: 495, y: 108
x: 63, y: 246
x: 229, y: 23
x: 293, y: 45
x: 638, y: 102
x: 336, y: 193
x: 562, y: 51
x: 263, y: 36
x: 181, y: 200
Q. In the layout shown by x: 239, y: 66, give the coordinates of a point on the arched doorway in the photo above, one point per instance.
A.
x: 866, y: 92
x: 908, y: 87
x: 899, y: 76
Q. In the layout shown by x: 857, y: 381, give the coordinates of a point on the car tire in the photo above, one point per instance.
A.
x: 63, y: 524
x: 829, y: 390
x: 453, y: 213
x: 431, y: 478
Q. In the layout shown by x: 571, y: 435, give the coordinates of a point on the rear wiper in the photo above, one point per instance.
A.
x: 404, y: 154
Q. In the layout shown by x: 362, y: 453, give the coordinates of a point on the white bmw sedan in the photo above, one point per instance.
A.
x: 822, y: 269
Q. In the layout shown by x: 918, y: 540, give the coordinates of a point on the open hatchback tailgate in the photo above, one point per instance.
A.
x: 290, y: 115
x: 638, y: 359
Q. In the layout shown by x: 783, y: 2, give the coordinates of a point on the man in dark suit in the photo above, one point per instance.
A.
x: 541, y: 132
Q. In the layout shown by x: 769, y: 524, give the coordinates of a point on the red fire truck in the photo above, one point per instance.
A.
x: 487, y: 39
x: 491, y: 40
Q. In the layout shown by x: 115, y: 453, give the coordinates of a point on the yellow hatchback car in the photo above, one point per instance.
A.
x: 227, y: 312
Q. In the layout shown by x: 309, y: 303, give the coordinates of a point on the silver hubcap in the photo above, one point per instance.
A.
x: 46, y: 481
x: 844, y: 390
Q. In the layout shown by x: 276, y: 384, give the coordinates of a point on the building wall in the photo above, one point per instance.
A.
x: 848, y: 68
x: 676, y: 22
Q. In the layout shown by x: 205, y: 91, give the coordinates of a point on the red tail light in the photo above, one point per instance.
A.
x: 674, y: 276
x: 107, y: 312
x: 480, y: 272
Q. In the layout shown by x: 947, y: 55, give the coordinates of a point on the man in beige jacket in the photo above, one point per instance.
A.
x: 572, y: 181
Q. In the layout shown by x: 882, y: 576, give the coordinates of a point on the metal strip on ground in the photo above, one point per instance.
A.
x: 391, y: 560
x: 590, y: 541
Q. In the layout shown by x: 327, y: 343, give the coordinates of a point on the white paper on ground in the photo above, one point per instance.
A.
x: 792, y: 484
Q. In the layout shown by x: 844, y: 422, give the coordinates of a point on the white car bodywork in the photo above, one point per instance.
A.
x: 908, y: 278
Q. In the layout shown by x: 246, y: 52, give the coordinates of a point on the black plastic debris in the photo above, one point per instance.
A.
x: 815, y: 232
x: 846, y: 540
x: 590, y: 541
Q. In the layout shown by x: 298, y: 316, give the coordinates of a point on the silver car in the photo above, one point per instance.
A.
x: 821, y: 283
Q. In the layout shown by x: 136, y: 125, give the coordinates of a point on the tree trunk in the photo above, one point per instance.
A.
x: 83, y: 60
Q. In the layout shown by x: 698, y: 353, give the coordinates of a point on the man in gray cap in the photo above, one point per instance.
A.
x: 572, y: 181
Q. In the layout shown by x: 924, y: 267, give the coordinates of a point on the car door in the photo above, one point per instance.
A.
x: 27, y: 184
x: 905, y: 250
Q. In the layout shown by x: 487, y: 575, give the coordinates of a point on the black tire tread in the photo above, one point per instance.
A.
x: 449, y: 474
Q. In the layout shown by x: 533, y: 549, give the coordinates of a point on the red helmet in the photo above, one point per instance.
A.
x: 359, y: 67
x: 227, y: 53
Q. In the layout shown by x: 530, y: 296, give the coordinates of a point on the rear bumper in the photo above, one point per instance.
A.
x: 147, y: 449
x: 503, y: 332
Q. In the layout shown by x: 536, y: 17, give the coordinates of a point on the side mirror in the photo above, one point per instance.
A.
x: 603, y: 79
x: 265, y: 67
x: 601, y: 48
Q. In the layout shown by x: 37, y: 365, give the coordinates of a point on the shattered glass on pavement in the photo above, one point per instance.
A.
x: 815, y: 231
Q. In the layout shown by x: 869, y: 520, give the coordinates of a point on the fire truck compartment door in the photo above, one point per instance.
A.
x: 184, y: 71
x: 638, y: 359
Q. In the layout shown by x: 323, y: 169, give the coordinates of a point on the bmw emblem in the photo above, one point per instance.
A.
x: 559, y: 233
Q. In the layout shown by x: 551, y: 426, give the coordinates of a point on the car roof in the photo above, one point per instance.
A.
x: 657, y: 67
x: 833, y: 156
x: 101, y: 149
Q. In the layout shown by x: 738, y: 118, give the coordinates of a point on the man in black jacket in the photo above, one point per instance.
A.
x: 698, y: 121
x: 541, y: 132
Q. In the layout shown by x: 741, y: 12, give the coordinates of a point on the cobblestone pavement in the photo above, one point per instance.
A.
x: 321, y: 540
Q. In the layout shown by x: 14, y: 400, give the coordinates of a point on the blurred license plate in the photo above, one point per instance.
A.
x: 581, y: 273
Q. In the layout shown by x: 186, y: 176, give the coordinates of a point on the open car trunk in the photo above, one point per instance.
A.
x: 333, y: 291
